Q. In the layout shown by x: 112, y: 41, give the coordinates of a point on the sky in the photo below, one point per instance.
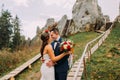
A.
x: 33, y: 13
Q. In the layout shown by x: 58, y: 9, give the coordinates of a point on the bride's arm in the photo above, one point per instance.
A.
x: 52, y: 55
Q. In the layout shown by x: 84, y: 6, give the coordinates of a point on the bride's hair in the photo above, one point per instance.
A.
x: 44, y: 37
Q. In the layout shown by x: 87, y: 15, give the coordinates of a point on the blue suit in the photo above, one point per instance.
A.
x: 62, y: 67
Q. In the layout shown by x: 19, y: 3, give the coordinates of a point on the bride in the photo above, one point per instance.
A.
x: 47, y: 53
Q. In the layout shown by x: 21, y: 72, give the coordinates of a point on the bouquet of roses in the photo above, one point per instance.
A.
x: 67, y: 46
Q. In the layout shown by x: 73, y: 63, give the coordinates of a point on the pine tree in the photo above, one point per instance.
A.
x: 16, y: 41
x: 5, y: 29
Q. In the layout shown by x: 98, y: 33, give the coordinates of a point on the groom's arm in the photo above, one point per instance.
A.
x: 50, y: 63
x: 64, y: 59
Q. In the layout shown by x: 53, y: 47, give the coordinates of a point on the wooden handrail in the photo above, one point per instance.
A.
x: 83, y: 55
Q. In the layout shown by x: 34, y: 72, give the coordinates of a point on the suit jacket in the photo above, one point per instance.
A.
x: 62, y: 65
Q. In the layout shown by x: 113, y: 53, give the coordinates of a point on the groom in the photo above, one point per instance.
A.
x: 61, y: 66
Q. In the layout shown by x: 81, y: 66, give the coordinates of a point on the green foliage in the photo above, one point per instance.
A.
x: 114, y: 51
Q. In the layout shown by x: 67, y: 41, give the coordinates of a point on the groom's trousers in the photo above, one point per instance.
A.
x: 60, y: 75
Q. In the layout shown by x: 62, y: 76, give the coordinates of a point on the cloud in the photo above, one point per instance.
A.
x: 57, y: 2
x: 68, y: 5
x: 63, y: 3
x: 58, y: 8
x: 22, y: 2
x: 46, y: 16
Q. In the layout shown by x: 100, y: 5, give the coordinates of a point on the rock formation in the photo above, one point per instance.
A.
x: 107, y: 18
x: 61, y: 24
x: 36, y: 39
x: 117, y: 19
x: 87, y: 12
x: 49, y: 22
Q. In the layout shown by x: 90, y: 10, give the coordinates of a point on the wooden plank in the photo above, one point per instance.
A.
x: 74, y: 66
x: 78, y: 78
x: 74, y: 69
x: 71, y: 78
x: 7, y: 77
x: 76, y: 63
x: 15, y: 72
x: 71, y: 74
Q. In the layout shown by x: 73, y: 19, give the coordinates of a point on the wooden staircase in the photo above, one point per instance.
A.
x: 79, y: 66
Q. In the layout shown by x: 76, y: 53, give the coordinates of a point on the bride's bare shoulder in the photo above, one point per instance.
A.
x: 49, y: 46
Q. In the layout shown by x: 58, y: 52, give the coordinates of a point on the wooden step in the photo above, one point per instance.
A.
x: 74, y: 69
x: 74, y: 66
x: 71, y: 78
x: 71, y: 74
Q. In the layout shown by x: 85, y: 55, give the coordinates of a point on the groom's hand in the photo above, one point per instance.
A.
x: 68, y: 53
x: 42, y: 60
x: 50, y: 63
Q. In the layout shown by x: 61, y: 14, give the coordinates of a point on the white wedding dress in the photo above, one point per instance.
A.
x: 47, y: 73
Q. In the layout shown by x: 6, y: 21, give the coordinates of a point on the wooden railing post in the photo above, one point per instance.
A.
x: 85, y: 71
x: 89, y: 52
x: 98, y: 42
x: 29, y: 66
x: 12, y: 78
x: 102, y: 39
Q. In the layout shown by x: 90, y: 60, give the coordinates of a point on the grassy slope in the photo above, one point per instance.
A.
x: 105, y: 62
x: 79, y: 39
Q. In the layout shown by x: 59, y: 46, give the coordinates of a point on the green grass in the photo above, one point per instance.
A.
x: 80, y: 40
x: 105, y: 62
